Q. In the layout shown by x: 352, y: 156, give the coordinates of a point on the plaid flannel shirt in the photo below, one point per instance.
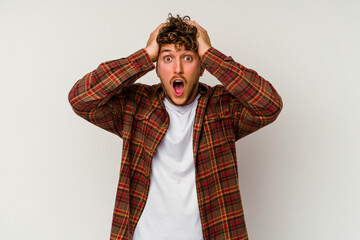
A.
x: 243, y: 103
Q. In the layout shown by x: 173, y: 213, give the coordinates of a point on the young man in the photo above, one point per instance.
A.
x: 179, y: 177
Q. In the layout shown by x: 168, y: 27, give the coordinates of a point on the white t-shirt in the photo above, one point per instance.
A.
x: 172, y: 210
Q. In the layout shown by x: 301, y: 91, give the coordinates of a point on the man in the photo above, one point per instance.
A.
x: 179, y: 177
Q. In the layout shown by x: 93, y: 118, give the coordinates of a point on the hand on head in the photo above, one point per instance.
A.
x: 203, y: 41
x: 203, y: 38
x: 152, y: 46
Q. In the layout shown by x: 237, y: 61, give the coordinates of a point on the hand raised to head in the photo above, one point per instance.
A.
x: 152, y: 47
x: 203, y: 39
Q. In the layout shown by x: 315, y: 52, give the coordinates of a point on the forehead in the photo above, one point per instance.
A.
x: 170, y: 48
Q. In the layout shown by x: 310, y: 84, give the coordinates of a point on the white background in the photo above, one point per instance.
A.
x: 299, y: 177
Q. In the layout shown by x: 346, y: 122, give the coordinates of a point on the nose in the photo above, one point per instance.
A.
x: 178, y: 67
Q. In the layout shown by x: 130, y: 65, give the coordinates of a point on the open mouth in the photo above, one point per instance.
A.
x: 178, y: 86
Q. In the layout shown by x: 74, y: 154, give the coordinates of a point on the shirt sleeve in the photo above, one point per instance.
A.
x: 255, y: 103
x: 92, y: 97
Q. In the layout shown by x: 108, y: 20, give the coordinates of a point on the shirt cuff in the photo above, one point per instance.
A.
x: 141, y: 61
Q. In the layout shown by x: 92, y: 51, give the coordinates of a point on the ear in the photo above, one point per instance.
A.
x: 156, y: 68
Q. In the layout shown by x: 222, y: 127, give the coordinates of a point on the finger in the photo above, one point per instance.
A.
x: 197, y: 25
x: 156, y: 31
x: 193, y: 23
x: 160, y: 26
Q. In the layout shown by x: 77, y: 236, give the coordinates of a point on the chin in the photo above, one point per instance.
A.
x: 178, y: 101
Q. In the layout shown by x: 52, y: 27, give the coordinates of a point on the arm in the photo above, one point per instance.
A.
x: 255, y: 102
x: 91, y: 96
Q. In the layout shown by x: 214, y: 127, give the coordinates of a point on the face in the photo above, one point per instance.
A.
x: 179, y: 72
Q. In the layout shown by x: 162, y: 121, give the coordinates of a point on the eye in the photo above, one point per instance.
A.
x: 188, y: 58
x: 167, y: 58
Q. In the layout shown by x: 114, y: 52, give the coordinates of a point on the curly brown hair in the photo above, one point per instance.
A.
x: 177, y: 31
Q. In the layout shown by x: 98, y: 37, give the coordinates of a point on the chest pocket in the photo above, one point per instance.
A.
x: 149, y: 127
x: 218, y: 116
x: 221, y: 126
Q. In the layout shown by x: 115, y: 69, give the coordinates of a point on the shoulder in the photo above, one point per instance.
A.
x: 220, y: 102
x: 216, y: 93
x: 139, y: 91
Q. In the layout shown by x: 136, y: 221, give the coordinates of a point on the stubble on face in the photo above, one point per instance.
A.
x: 179, y: 71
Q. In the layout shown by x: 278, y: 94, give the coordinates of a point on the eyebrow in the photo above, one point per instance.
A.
x: 165, y: 50
x: 170, y: 51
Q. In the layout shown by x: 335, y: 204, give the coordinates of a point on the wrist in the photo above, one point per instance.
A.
x: 203, y: 50
x: 152, y: 54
